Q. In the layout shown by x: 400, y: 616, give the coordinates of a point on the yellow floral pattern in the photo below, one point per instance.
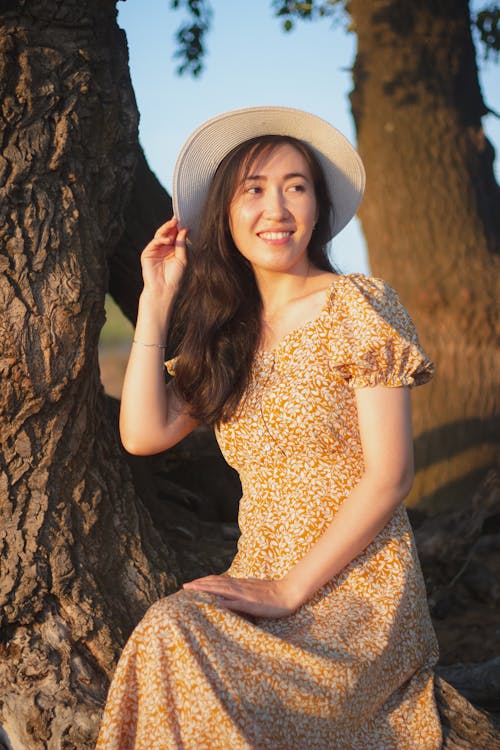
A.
x: 352, y: 669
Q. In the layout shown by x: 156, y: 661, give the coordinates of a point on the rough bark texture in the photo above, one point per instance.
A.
x: 431, y: 217
x: 478, y: 683
x: 80, y: 559
x: 464, y: 727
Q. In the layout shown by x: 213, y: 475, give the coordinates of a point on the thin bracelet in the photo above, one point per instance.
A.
x: 158, y: 346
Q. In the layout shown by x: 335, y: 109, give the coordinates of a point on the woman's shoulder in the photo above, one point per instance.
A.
x: 361, y: 283
x: 360, y: 300
x: 357, y: 291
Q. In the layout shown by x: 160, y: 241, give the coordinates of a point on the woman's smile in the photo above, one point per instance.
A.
x: 275, y: 237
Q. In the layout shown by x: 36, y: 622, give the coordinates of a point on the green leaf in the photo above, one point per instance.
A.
x: 191, y: 36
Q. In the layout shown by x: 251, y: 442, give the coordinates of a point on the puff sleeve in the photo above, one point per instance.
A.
x: 378, y: 343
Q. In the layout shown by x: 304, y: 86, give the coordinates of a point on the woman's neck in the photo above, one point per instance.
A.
x: 277, y: 291
x: 290, y: 301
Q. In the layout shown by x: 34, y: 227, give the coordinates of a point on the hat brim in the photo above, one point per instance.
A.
x: 207, y: 146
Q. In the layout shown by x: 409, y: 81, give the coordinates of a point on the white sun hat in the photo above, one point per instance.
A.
x: 207, y: 146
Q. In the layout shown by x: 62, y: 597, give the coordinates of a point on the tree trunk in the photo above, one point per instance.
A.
x: 80, y: 558
x: 431, y: 217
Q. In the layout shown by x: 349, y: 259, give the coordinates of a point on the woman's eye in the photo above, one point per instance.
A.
x: 298, y: 188
x: 254, y: 189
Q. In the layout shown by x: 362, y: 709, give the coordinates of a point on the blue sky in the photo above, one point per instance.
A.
x: 250, y: 61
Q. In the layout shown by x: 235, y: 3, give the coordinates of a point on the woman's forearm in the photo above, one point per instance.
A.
x: 361, y: 517
x: 357, y: 522
x: 152, y: 416
x: 384, y: 419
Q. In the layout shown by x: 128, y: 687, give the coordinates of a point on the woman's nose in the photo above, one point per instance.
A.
x: 276, y: 206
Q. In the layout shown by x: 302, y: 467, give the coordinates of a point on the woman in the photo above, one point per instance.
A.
x: 318, y: 635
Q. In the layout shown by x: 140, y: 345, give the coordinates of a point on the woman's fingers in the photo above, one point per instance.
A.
x: 166, y: 234
x: 235, y: 589
x: 166, y: 228
x: 222, y: 586
x: 180, y: 246
x: 212, y: 584
x: 164, y: 258
x: 249, y: 595
x: 168, y: 241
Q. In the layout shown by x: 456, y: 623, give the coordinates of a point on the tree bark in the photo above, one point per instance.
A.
x: 464, y: 727
x: 80, y: 558
x: 478, y: 683
x: 431, y: 217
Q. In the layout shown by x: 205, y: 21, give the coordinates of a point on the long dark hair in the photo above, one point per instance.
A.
x: 216, y: 323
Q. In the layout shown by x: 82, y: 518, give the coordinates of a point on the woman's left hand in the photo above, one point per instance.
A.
x: 253, y: 596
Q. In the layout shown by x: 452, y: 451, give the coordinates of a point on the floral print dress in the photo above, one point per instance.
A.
x: 352, y: 669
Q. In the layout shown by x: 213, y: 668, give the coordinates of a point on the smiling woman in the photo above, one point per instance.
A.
x: 318, y: 635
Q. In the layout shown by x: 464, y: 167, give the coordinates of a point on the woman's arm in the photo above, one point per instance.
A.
x: 385, y: 426
x: 152, y: 417
x: 384, y: 416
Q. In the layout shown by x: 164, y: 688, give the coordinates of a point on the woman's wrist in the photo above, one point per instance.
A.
x: 155, y: 307
x: 157, y: 302
x: 293, y: 594
x: 152, y: 317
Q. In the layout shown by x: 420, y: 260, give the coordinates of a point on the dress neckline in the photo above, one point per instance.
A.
x: 299, y: 329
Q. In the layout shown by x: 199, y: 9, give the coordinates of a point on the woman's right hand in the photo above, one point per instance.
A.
x: 164, y: 260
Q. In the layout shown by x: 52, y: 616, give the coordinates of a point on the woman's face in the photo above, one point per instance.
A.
x: 273, y: 212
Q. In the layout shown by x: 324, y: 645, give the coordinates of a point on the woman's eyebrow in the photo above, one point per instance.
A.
x: 289, y: 176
